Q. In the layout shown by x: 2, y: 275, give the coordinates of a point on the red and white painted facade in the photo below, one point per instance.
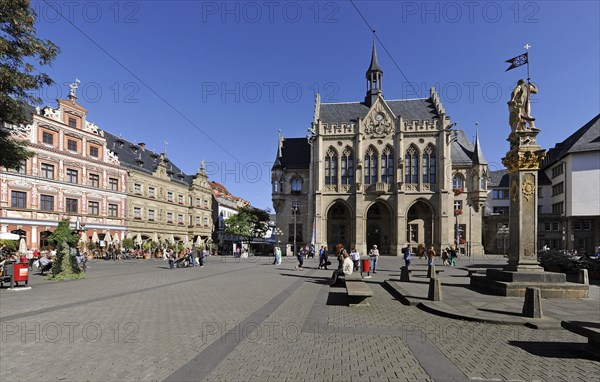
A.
x: 72, y: 175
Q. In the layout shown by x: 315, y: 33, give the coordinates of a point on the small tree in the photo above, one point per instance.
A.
x: 249, y: 223
x: 65, y: 265
x: 128, y: 243
x: 20, y: 48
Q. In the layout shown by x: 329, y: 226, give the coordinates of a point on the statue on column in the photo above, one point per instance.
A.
x: 519, y: 107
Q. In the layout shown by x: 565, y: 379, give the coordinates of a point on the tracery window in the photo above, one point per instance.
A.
x: 347, y: 167
x: 370, y: 166
x: 411, y: 165
x: 331, y: 159
x: 296, y: 184
x: 387, y: 165
x: 429, y: 170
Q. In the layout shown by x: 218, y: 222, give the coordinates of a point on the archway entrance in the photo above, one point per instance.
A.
x: 339, y: 227
x: 379, y: 228
x: 419, y: 224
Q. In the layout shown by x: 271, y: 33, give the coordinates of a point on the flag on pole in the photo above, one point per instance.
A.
x: 518, y: 61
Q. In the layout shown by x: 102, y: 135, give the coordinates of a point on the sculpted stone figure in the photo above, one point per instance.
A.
x: 519, y: 106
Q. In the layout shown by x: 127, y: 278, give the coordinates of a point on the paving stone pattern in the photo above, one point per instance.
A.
x: 138, y: 320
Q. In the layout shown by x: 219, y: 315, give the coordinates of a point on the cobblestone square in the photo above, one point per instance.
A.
x: 247, y: 320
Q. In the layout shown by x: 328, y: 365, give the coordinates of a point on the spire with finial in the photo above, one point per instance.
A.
x: 478, y: 157
x: 373, y: 76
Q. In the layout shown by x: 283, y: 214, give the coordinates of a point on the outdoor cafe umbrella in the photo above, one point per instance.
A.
x: 171, y: 239
x: 107, y: 238
x: 155, y: 237
x: 95, y: 238
x: 83, y: 238
x: 22, y: 247
x: 138, y: 239
x: 9, y: 236
x: 199, y: 241
x: 186, y: 241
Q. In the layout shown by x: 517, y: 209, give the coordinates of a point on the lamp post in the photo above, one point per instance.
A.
x: 277, y: 233
x: 295, y: 208
x: 504, y: 231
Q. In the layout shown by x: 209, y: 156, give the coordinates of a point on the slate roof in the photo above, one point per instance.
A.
x: 463, y: 152
x: 587, y: 138
x: 500, y: 179
x: 295, y: 153
x: 133, y: 156
x: 411, y: 109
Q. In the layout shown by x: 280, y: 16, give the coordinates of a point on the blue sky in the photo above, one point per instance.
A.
x: 217, y: 80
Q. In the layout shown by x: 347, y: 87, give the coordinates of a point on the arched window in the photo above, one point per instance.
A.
x: 331, y: 167
x: 411, y: 165
x: 296, y: 185
x: 458, y: 182
x: 370, y: 166
x: 429, y: 165
x: 387, y: 165
x: 483, y: 182
x: 276, y: 185
x: 347, y: 167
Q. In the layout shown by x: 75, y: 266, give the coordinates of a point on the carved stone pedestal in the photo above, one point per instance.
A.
x: 523, y: 270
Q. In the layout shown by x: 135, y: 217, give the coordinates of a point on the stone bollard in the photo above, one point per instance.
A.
x: 404, y: 274
x: 582, y: 277
x: 435, y: 290
x: 431, y: 271
x: 532, y: 307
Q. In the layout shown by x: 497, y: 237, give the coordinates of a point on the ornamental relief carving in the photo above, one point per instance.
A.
x: 528, y: 187
x: 523, y: 160
x: 20, y: 131
x: 378, y: 123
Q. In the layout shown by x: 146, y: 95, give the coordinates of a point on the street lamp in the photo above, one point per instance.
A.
x: 278, y: 232
x: 295, y: 209
x: 504, y: 231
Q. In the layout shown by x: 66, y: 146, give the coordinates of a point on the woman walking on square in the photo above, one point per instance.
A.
x: 374, y: 256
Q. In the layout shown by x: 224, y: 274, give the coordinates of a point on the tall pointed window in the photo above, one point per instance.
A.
x: 458, y: 182
x: 296, y: 185
x: 483, y: 182
x: 347, y: 167
x: 411, y: 166
x: 429, y: 165
x: 370, y: 166
x: 387, y: 165
x: 331, y: 167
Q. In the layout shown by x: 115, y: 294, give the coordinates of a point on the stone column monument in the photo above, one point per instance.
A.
x: 523, y: 163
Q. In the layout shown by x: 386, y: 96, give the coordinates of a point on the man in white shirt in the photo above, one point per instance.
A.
x: 346, y: 269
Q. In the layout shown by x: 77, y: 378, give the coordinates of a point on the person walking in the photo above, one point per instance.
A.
x: 407, y: 253
x: 374, y: 257
x: 430, y: 256
x: 355, y: 257
x: 300, y: 256
x: 445, y: 257
x: 346, y: 269
x: 277, y: 256
x: 453, y: 256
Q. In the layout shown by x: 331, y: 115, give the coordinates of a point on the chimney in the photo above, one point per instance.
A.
x: 142, y: 145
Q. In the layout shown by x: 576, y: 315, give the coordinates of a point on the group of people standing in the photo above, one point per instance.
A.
x: 449, y: 254
x: 189, y: 258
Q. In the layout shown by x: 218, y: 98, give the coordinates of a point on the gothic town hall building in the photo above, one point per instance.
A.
x: 380, y: 172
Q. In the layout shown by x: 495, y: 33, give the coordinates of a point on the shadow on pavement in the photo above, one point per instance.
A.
x: 337, y: 299
x: 501, y: 312
x: 552, y: 349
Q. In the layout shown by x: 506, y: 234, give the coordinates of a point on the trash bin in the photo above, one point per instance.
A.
x: 15, y: 273
x: 365, y: 266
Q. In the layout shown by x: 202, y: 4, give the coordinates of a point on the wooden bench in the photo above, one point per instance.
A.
x: 357, y: 290
x: 589, y: 330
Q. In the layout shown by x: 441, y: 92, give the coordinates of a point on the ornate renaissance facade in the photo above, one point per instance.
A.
x: 164, y: 204
x: 380, y: 172
x: 72, y: 175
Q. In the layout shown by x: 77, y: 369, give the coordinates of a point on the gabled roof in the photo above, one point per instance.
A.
x: 412, y: 109
x: 136, y: 157
x: 587, y: 138
x: 464, y: 153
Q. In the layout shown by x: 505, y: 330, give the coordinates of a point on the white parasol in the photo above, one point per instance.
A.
x: 138, y: 239
x: 9, y: 236
x: 22, y: 247
x: 95, y: 238
x: 107, y: 238
x: 155, y: 237
x: 83, y: 238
